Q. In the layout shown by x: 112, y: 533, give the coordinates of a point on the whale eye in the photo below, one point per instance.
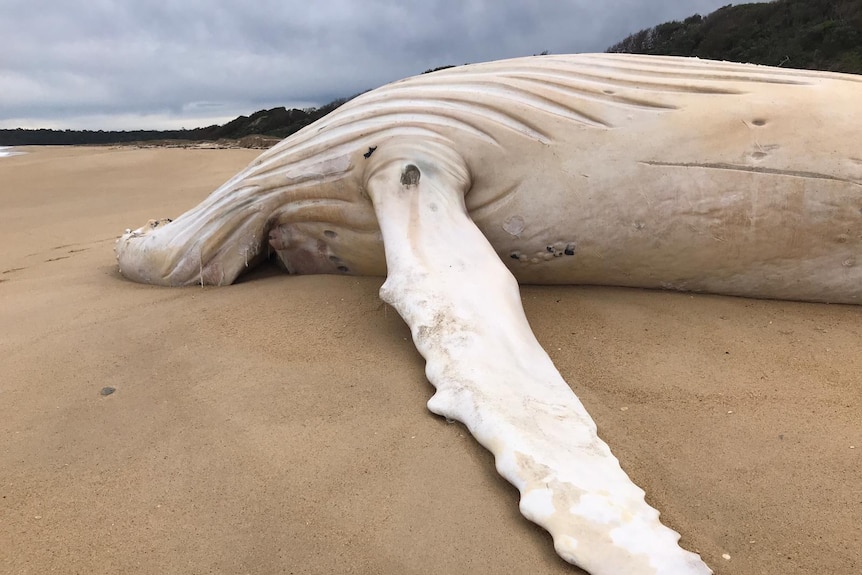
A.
x: 330, y: 234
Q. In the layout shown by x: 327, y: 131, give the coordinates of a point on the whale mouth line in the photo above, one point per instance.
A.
x: 753, y: 169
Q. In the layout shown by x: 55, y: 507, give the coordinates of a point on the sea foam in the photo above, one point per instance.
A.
x: 6, y: 151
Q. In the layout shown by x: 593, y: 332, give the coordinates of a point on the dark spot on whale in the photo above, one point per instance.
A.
x: 570, y: 250
x: 330, y: 234
x: 410, y: 176
x: 369, y: 152
x: 107, y: 391
x: 156, y: 223
x: 334, y: 259
x: 515, y: 255
x: 343, y: 269
x: 759, y: 122
x: 550, y: 249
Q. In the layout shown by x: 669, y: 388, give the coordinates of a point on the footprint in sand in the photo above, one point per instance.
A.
x: 9, y: 271
x: 75, y: 251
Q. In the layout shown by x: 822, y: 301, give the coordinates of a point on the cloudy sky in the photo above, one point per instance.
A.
x: 128, y: 64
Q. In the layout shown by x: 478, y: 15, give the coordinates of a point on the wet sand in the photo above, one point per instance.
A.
x: 279, y: 425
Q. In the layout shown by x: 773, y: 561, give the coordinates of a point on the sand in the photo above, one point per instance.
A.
x: 279, y: 425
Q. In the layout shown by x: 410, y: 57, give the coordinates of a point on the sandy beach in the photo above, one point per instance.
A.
x: 279, y: 425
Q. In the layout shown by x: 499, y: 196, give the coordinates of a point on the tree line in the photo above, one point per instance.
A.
x: 808, y: 34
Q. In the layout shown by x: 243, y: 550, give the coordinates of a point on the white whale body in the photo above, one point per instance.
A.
x: 607, y: 169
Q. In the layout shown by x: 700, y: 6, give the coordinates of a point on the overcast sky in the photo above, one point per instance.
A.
x: 128, y: 64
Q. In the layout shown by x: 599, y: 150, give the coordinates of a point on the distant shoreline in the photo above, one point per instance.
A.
x: 248, y: 142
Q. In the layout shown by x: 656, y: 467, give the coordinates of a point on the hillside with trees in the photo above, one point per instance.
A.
x: 810, y: 34
x: 274, y: 124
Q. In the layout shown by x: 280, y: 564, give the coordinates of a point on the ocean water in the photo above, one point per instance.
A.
x: 6, y: 151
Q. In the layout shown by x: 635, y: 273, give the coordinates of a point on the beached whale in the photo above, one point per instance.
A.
x: 607, y: 169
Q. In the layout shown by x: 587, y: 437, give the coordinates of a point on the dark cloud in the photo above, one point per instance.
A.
x: 106, y: 64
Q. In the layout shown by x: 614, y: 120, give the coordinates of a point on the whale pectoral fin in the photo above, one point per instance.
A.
x: 464, y: 310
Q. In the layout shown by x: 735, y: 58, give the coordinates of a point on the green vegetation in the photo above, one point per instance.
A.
x: 275, y: 123
x: 429, y: 70
x: 810, y: 34
x: 813, y: 34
